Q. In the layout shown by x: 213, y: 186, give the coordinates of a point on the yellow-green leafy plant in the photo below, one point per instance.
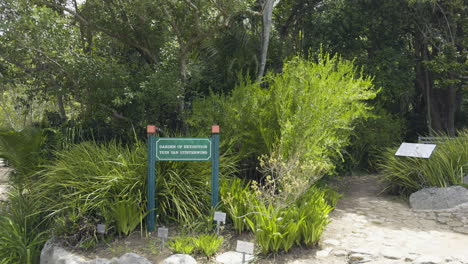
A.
x: 208, y: 245
x: 182, y: 244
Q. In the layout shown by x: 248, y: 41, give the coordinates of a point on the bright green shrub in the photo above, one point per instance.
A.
x: 300, y: 123
x: 208, y: 245
x: 182, y: 245
x: 23, y: 229
x: 301, y: 223
x: 91, y: 183
x: 278, y: 227
x: 446, y: 166
x: 237, y: 199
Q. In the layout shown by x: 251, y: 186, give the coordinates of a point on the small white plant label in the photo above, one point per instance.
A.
x: 101, y: 228
x: 245, y: 247
x: 220, y: 217
x: 163, y: 232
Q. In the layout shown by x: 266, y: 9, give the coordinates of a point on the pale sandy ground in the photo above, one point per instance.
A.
x: 384, y: 230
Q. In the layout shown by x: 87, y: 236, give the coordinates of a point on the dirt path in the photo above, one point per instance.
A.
x: 3, y: 182
x: 368, y: 227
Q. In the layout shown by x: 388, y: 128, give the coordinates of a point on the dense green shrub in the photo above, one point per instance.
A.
x: 370, y: 137
x: 299, y: 124
x: 23, y: 229
x: 23, y: 151
x: 206, y: 245
x: 92, y: 183
x: 446, y: 166
x: 276, y: 226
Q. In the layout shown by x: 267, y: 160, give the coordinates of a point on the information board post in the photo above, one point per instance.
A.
x: 215, y: 165
x: 151, y: 180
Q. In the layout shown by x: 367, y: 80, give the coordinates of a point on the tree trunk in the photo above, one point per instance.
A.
x: 267, y: 15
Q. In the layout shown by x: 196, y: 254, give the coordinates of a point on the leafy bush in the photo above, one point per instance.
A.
x: 446, y: 166
x: 278, y: 226
x: 237, y: 199
x: 91, y: 183
x: 370, y: 137
x: 299, y: 124
x: 127, y: 212
x: 182, y: 245
x: 23, y: 152
x: 23, y: 230
x: 301, y: 223
x: 208, y: 245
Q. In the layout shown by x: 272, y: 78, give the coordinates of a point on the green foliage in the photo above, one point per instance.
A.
x: 447, y: 166
x: 23, y: 150
x: 370, y: 138
x: 93, y: 183
x: 208, y: 245
x: 127, y: 212
x: 182, y: 245
x: 204, y: 244
x: 23, y: 229
x: 297, y: 126
x: 237, y: 199
x: 301, y: 223
x: 278, y: 227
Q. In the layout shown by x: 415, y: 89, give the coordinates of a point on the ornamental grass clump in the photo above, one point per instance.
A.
x: 93, y: 183
x: 447, y: 166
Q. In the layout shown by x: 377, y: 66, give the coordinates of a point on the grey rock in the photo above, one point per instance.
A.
x: 180, y: 259
x: 53, y: 253
x: 233, y: 257
x: 131, y: 258
x: 323, y: 253
x: 465, y: 179
x: 439, y: 198
x: 358, y: 258
x: 391, y: 253
x: 331, y: 242
x: 340, y: 253
x: 428, y: 260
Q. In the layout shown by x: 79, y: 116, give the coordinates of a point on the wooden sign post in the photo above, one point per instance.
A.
x: 180, y: 149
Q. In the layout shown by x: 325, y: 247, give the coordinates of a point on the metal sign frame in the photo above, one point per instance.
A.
x: 152, y: 162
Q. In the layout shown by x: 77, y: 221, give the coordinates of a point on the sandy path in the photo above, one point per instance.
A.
x: 368, y: 227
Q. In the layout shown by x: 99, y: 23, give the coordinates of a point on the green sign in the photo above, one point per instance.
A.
x: 183, y: 149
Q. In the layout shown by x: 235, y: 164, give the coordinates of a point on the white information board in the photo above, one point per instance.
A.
x: 415, y: 150
x: 245, y: 247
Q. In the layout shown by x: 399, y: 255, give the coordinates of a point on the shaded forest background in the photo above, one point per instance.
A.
x: 105, y: 69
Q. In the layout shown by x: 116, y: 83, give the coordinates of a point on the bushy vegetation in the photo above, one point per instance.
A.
x: 447, y: 166
x: 295, y: 129
x: 205, y: 244
x: 23, y: 228
x: 278, y: 227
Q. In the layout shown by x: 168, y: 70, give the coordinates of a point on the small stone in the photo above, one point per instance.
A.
x: 428, y: 260
x: 331, y: 242
x: 340, y: 253
x: 455, y: 223
x: 391, y: 253
x: 365, y: 251
x: 443, y: 219
x: 463, y: 230
x: 180, y: 259
x: 358, y: 258
x: 233, y: 257
x: 323, y: 253
x: 132, y: 258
